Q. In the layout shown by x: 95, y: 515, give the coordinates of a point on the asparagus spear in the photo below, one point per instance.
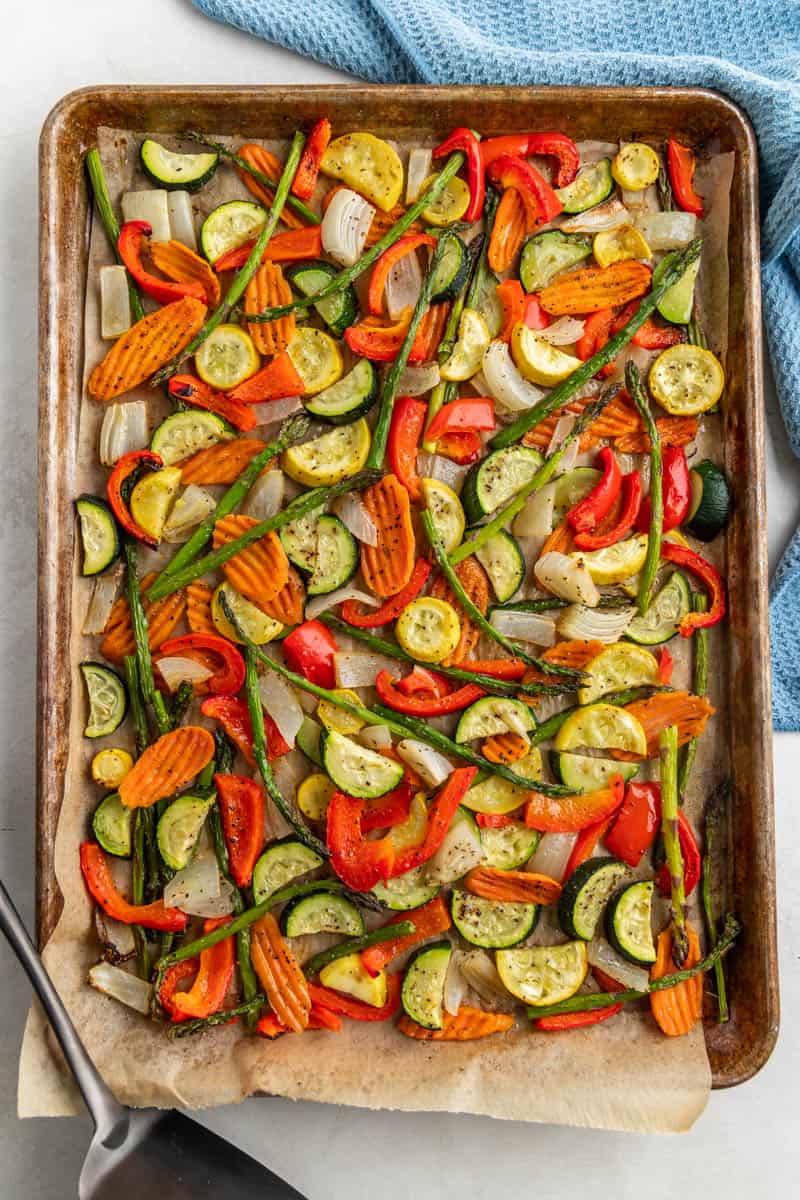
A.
x: 243, y: 277
x: 713, y: 815
x: 542, y: 476
x: 142, y: 818
x: 246, y: 972
x: 678, y: 263
x: 290, y: 432
x: 165, y: 585
x: 668, y: 760
x: 355, y: 945
x: 346, y: 276
x: 389, y: 389
x: 139, y: 622
x: 699, y: 687
x: 653, y: 559
x: 249, y: 1009
x: 97, y: 179
x: 299, y: 207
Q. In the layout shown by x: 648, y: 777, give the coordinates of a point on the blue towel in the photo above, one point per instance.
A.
x: 750, y: 52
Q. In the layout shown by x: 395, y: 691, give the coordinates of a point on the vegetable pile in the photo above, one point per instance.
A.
x: 401, y: 570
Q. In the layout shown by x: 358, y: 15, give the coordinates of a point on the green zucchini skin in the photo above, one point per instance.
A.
x: 112, y: 825
x: 546, y: 254
x: 176, y: 172
x: 584, y: 774
x: 593, y: 184
x: 356, y: 770
x: 585, y: 893
x: 99, y: 536
x: 670, y: 604
x: 422, y: 993
x: 322, y: 912
x: 627, y: 922
x: 338, y: 311
x: 94, y: 671
x: 352, y: 397
x: 343, y: 562
x: 492, y: 924
x: 280, y: 864
x: 490, y: 484
x: 711, y: 501
x: 451, y: 274
x: 403, y: 893
x: 504, y: 563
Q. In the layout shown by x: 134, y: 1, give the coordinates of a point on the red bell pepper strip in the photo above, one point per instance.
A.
x: 692, y: 862
x: 389, y: 810
x: 380, y: 341
x: 305, y: 177
x: 193, y: 391
x: 681, y: 164
x: 440, y: 815
x: 708, y: 574
x: 241, y: 806
x: 331, y: 1001
x: 631, y: 505
x: 494, y: 820
x: 534, y: 315
x: 309, y: 650
x: 570, y: 814
x: 97, y: 878
x: 464, y: 139
x: 577, y: 1020
x: 295, y: 245
x: 123, y: 469
x: 419, y: 706
x: 422, y: 682
x: 319, y: 1017
x: 207, y: 993
x: 233, y: 715
x: 462, y: 448
x: 380, y: 272
x: 170, y: 984
x: 585, y: 844
x: 429, y: 919
x: 513, y: 300
x: 391, y: 610
x: 540, y: 201
x: 359, y: 863
x: 589, y: 511
x: 130, y: 245
x: 405, y: 433
x: 676, y: 490
x: 605, y: 982
x: 229, y: 679
x: 596, y: 332
x: 637, y: 823
x: 665, y: 665
x: 558, y: 145
x: 462, y: 416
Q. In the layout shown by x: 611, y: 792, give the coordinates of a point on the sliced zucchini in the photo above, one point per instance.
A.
x: 667, y: 609
x: 677, y: 303
x: 179, y: 828
x: 337, y: 311
x: 629, y: 922
x: 499, y: 796
x: 308, y: 740
x: 152, y: 498
x: 509, y: 847
x: 112, y: 825
x: 314, y: 795
x: 602, y: 727
x: 490, y: 306
x: 460, y: 851
x: 329, y: 458
x: 429, y: 629
x: 174, y: 171
x: 540, y: 975
x: 254, y: 623
x: 98, y: 534
x: 503, y: 561
x: 357, y: 770
x: 585, y: 894
x: 545, y: 255
x: 635, y: 166
x: 451, y: 273
x: 280, y: 864
x: 621, y: 244
x: 317, y: 358
x: 570, y: 488
x: 322, y: 912
x: 620, y: 666
x: 227, y: 357
x: 473, y: 342
x: 593, y: 184
x: 186, y: 433
x: 336, y: 557
x: 368, y: 164
x: 686, y: 380
x: 229, y: 226
x: 710, y: 506
x: 299, y: 540
x: 494, y: 714
x: 109, y: 767
x: 411, y: 890
x: 108, y: 699
x: 446, y: 512
x: 337, y: 719
x: 539, y: 360
x: 490, y: 484
x: 492, y: 924
x: 451, y: 203
x: 352, y: 397
x: 584, y: 774
x: 615, y: 564
x: 349, y: 975
x: 422, y: 994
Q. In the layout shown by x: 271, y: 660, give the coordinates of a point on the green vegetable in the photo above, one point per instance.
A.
x: 305, y: 212
x: 713, y: 814
x: 249, y: 1009
x: 422, y: 994
x: 628, y: 922
x: 169, y: 169
x: 546, y: 255
x: 668, y: 761
x: 179, y: 828
x: 403, y: 892
x: 98, y: 534
x: 350, y: 398
x: 667, y: 609
x: 356, y: 770
x: 592, y: 185
x: 94, y: 168
x: 653, y: 559
x: 560, y: 395
x: 281, y: 863
x: 182, y: 434
x: 339, y: 311
x: 138, y: 712
x: 495, y: 480
x: 246, y: 972
x: 492, y: 924
x: 112, y: 826
x: 143, y: 841
x: 504, y: 563
x: 355, y: 945
x: 324, y: 912
x: 144, y: 662
x: 585, y: 894
x: 711, y: 501
x: 108, y: 700
x: 699, y: 687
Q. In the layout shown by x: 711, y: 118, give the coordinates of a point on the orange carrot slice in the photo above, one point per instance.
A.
x: 268, y: 289
x: 198, y: 608
x: 592, y: 288
x: 280, y: 975
x: 677, y: 1009
x: 222, y: 463
x: 265, y: 161
x: 690, y: 713
x: 387, y: 566
x: 517, y: 887
x: 288, y: 605
x: 508, y: 231
x: 259, y: 571
x: 465, y: 1026
x: 673, y: 431
x: 146, y: 346
x: 505, y: 748
x: 182, y: 265
x: 167, y: 766
x: 162, y: 617
x: 475, y: 582
x: 576, y: 654
x: 279, y: 378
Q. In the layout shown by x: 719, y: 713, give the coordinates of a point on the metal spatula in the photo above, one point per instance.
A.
x: 166, y: 1153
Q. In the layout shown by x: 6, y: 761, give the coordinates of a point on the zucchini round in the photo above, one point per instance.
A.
x: 503, y: 561
x: 281, y: 863
x: 185, y: 433
x: 335, y: 559
x: 490, y: 484
x: 451, y: 273
x: 546, y: 255
x: 422, y: 994
x: 322, y: 912
x: 98, y: 534
x: 508, y: 847
x: 629, y: 922
x: 540, y: 975
x: 585, y: 894
x: 492, y: 924
x: 108, y: 699
x: 494, y: 714
x: 337, y: 311
x: 179, y: 828
x: 357, y: 770
x: 570, y: 488
x: 668, y: 608
x: 602, y: 727
x: 710, y: 506
x: 624, y: 665
x: 592, y: 185
x: 229, y: 226
x: 329, y: 458
x: 410, y: 890
x: 350, y: 398
x: 112, y: 825
x: 584, y: 774
x: 428, y: 629
x: 173, y: 171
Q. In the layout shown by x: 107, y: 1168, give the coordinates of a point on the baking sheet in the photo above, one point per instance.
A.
x: 621, y: 1075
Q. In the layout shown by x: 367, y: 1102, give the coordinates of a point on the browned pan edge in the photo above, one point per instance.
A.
x: 739, y: 1049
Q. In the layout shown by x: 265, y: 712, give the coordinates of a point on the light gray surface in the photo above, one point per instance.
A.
x: 742, y: 1144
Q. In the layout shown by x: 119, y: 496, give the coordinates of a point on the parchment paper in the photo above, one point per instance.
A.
x: 623, y: 1074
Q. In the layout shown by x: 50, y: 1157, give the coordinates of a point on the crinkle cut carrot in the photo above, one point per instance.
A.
x: 288, y: 605
x: 259, y: 571
x: 465, y: 1026
x: 475, y: 582
x: 690, y: 713
x: 592, y: 288
x: 280, y: 975
x: 505, y: 748
x: 221, y: 463
x: 179, y: 263
x: 677, y: 1009
x: 265, y: 161
x: 508, y: 231
x: 673, y: 431
x: 577, y: 654
x: 167, y: 766
x: 269, y: 289
x: 617, y: 419
x: 146, y: 346
x: 162, y: 617
x: 198, y: 608
x: 514, y: 887
x: 387, y: 566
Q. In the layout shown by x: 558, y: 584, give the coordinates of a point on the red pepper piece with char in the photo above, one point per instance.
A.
x: 676, y: 490
x: 130, y: 245
x: 241, y: 806
x: 425, y: 706
x: 405, y: 434
x: 637, y: 823
x: 309, y: 650
x: 464, y: 139
x: 103, y: 890
x: 540, y: 201
x: 305, y: 177
x: 708, y: 574
x: 681, y: 165
x: 234, y: 716
x: 588, y: 512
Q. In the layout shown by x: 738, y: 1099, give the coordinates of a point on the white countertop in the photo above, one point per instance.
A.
x: 745, y: 1143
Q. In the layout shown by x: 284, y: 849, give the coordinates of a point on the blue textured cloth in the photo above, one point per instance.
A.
x: 751, y: 52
